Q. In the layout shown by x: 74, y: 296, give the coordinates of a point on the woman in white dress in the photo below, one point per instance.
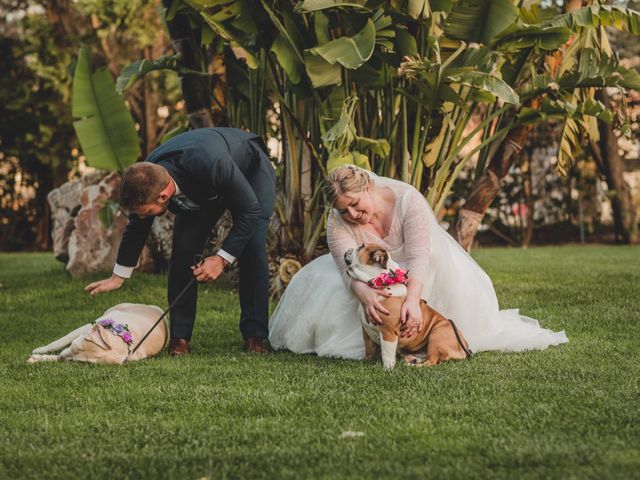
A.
x: 320, y: 310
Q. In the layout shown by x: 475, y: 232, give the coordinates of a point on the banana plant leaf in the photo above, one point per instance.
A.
x: 350, y: 52
x: 594, y: 70
x: 519, y: 38
x: 211, y: 3
x: 139, y: 69
x: 569, y: 145
x: 378, y: 147
x: 107, y: 213
x: 314, y: 5
x: 321, y: 27
x: 104, y: 127
x: 287, y: 58
x: 480, y: 21
x: 561, y: 109
x: 600, y: 15
x: 419, y: 9
x: 492, y: 84
x: 322, y: 73
x: 406, y: 44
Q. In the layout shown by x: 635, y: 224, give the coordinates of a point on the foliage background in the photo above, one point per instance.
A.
x: 39, y: 151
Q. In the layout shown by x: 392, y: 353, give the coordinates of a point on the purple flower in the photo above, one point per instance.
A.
x: 118, y: 328
x: 127, y: 337
x: 105, y: 322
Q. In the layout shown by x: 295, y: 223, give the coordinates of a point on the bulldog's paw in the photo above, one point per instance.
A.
x: 40, y: 350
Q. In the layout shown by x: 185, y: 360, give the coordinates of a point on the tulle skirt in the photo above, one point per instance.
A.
x: 319, y: 314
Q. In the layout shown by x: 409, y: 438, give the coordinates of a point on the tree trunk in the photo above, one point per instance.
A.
x: 624, y: 215
x: 196, y: 89
x: 529, y: 202
x: 487, y: 187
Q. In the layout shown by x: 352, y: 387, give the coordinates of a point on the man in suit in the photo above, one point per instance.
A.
x: 198, y: 175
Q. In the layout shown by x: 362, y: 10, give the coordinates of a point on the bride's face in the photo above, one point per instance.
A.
x: 355, y: 207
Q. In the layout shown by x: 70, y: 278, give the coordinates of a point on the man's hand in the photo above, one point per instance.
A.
x: 106, y: 285
x: 210, y: 269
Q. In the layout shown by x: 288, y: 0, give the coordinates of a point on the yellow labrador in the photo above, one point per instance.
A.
x: 111, y: 337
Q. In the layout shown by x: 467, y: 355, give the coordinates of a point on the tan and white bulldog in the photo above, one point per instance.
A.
x: 437, y: 340
x: 105, y: 341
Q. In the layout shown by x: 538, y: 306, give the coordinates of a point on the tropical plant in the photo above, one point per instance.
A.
x: 423, y: 88
x: 104, y: 125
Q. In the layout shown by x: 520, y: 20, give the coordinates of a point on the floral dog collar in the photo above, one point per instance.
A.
x: 119, y: 329
x: 392, y: 277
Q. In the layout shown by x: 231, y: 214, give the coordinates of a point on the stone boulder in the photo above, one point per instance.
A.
x: 65, y: 204
x: 92, y: 247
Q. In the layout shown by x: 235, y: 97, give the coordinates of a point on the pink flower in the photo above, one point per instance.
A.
x: 127, y: 337
x: 388, y: 279
x: 378, y: 282
x: 400, y: 275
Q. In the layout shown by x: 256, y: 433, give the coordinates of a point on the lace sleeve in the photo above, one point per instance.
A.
x: 416, y: 228
x: 340, y: 239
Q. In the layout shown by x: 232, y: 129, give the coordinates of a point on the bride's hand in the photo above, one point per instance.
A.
x: 410, y: 318
x: 369, y: 299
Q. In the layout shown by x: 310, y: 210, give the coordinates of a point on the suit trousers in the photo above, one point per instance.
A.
x: 190, y: 232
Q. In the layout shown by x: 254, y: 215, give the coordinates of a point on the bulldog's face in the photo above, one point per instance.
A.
x: 95, y: 346
x: 367, y: 261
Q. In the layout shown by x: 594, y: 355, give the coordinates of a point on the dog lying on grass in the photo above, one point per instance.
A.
x: 437, y: 340
x: 111, y: 338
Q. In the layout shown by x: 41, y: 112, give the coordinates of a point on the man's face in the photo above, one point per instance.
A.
x: 152, y: 209
x: 159, y: 206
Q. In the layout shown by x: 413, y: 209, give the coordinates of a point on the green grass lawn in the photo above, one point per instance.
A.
x: 568, y: 412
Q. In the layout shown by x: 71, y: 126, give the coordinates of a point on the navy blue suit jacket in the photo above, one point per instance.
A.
x: 209, y: 165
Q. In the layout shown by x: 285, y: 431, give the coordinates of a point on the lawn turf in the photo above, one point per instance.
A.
x: 571, y: 411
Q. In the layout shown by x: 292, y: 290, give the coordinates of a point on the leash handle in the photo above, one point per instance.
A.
x: 468, y: 352
x: 198, y: 260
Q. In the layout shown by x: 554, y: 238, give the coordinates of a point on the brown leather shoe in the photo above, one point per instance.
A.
x: 179, y: 346
x: 256, y: 345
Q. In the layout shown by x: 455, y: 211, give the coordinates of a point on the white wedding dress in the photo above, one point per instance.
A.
x: 318, y: 312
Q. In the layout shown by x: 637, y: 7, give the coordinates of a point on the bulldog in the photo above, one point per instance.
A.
x: 437, y: 340
x: 111, y: 338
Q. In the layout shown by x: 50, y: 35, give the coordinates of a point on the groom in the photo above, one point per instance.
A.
x: 198, y: 175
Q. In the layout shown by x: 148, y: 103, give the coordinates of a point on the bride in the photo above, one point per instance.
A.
x: 319, y: 311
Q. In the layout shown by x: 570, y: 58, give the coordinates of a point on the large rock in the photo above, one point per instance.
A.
x: 65, y: 204
x: 92, y: 247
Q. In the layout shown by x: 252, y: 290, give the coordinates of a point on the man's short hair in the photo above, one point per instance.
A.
x: 141, y: 184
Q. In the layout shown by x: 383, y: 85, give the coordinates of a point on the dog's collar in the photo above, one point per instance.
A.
x: 119, y: 329
x: 386, y: 279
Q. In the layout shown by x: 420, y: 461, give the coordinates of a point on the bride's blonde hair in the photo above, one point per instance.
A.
x: 345, y: 179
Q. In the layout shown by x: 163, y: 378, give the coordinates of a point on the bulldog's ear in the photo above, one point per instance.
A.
x: 98, y: 337
x: 380, y: 257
